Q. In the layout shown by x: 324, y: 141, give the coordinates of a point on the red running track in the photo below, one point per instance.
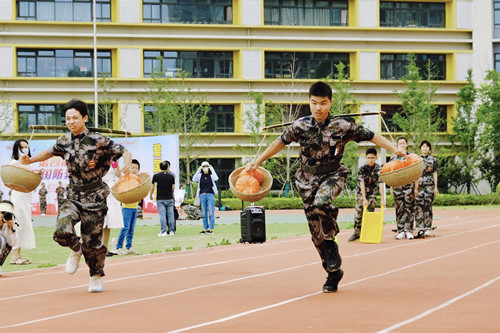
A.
x: 447, y: 283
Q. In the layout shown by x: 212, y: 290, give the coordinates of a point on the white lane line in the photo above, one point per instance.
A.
x: 241, y: 259
x: 242, y: 314
x: 440, y: 307
x: 156, y: 297
x: 236, y: 280
x: 155, y: 256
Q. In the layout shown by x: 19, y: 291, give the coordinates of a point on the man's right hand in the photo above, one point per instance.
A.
x: 25, y: 159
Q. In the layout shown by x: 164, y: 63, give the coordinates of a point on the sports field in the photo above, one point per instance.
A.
x: 447, y: 283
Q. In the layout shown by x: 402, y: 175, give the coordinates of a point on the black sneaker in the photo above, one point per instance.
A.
x: 332, y: 281
x: 420, y: 234
x: 353, y: 237
x: 333, y: 260
x: 203, y: 232
x: 210, y: 231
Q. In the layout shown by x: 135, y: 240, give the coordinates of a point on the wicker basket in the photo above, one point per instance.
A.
x: 265, y: 185
x: 135, y: 194
x: 20, y: 179
x: 404, y: 175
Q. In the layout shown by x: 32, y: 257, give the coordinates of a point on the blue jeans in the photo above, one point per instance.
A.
x: 207, y: 202
x: 166, y: 211
x: 129, y: 218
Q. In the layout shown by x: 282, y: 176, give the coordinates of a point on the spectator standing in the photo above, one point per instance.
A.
x: 427, y: 190
x: 61, y: 195
x: 366, y: 190
x: 22, y: 209
x: 129, y: 212
x: 404, y: 198
x: 206, y: 177
x: 43, y: 199
x: 164, y: 183
x: 114, y: 217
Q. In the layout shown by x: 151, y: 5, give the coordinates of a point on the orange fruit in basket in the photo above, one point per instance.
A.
x: 254, y: 173
x: 412, y: 159
x: 127, y: 182
x: 398, y: 164
x: 387, y: 167
x: 247, y: 184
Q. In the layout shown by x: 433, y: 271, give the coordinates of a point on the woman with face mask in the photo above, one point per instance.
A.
x: 206, y: 177
x: 22, y: 209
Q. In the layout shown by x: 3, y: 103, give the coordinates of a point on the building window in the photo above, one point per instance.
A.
x: 220, y: 119
x: 198, y: 64
x: 63, y: 10
x: 306, y: 65
x: 412, y: 14
x: 188, y: 11
x: 393, y: 66
x: 306, y: 12
x: 62, y: 63
x: 51, y: 114
x: 497, y: 62
x: 391, y: 110
x: 497, y: 14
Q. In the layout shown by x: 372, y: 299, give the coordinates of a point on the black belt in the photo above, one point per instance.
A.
x: 321, y: 169
x: 86, y: 187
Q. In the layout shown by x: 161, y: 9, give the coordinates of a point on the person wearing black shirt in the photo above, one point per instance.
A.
x: 164, y: 182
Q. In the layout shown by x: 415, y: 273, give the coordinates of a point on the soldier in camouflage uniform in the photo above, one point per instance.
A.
x: 321, y: 176
x: 366, y: 190
x: 427, y: 190
x: 88, y: 156
x: 43, y: 199
x: 189, y: 212
x: 404, y: 199
x: 60, y: 191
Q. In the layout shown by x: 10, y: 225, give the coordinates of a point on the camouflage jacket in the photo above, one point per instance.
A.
x: 192, y: 212
x: 430, y: 166
x: 370, y: 176
x: 60, y: 192
x: 323, y: 143
x: 43, y: 192
x: 87, y: 155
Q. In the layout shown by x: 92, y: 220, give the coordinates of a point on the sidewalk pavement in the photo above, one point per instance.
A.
x: 231, y: 217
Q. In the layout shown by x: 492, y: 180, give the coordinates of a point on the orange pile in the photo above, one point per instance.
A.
x: 249, y: 182
x: 399, y: 164
x: 128, y: 182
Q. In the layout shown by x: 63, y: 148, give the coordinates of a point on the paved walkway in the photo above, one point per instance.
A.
x: 230, y: 217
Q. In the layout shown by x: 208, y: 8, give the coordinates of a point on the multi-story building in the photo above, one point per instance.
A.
x: 231, y: 47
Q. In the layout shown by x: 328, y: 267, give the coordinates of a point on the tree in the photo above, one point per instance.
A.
x: 344, y: 102
x: 463, y: 140
x: 7, y: 113
x: 418, y: 118
x: 106, y: 103
x: 172, y: 106
x: 489, y: 137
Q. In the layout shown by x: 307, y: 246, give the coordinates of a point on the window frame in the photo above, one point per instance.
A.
x: 276, y: 10
x: 155, y: 11
x: 399, y: 63
x: 408, y: 15
x: 33, y: 10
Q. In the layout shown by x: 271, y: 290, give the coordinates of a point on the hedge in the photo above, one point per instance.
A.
x: 273, y: 203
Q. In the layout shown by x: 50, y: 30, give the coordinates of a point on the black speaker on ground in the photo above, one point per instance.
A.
x: 253, y: 225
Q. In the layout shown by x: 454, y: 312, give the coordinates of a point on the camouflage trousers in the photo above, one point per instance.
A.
x: 60, y: 203
x: 423, y: 206
x: 358, y: 217
x: 318, y: 192
x: 404, y: 201
x: 4, y: 249
x: 43, y: 206
x: 90, y: 209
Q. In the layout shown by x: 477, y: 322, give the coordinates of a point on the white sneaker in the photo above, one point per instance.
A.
x: 429, y: 233
x: 43, y: 214
x: 122, y: 251
x: 162, y: 234
x: 73, y: 262
x: 401, y: 235
x: 408, y: 235
x: 171, y: 233
x: 95, y: 285
x: 130, y: 251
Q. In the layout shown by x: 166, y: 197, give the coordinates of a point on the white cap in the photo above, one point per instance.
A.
x: 205, y: 163
x: 6, y: 207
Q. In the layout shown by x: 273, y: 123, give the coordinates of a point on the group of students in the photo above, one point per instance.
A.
x: 413, y: 202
